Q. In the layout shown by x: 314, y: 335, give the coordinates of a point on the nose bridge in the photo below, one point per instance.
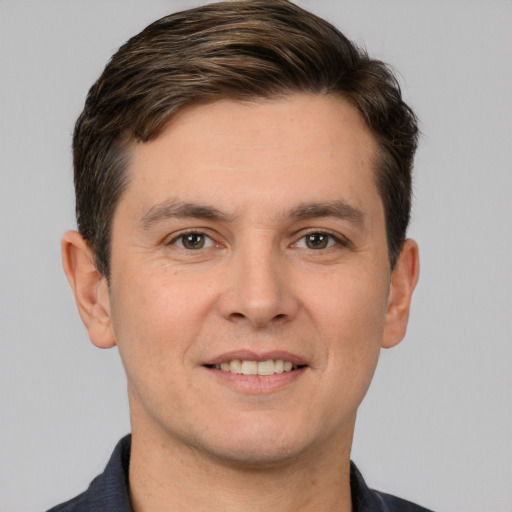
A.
x: 258, y: 290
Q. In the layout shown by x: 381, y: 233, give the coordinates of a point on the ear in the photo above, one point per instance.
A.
x: 403, y: 281
x: 89, y: 287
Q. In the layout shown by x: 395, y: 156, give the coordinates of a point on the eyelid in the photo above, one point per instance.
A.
x: 174, y: 237
x: 337, y: 237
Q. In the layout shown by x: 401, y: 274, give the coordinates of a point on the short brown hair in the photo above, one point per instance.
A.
x: 239, y: 50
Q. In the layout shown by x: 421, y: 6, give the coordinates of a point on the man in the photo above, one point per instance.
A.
x: 243, y: 183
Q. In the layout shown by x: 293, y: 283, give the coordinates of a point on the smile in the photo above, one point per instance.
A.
x: 262, y: 368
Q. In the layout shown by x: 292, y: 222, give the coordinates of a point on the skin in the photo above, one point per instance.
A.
x: 204, y: 439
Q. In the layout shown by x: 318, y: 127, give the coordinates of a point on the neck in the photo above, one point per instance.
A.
x: 166, y: 475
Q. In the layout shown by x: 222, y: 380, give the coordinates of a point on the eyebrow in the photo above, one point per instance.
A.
x: 172, y: 209
x: 339, y: 209
x: 179, y: 210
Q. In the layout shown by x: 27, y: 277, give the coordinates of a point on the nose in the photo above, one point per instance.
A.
x: 259, y: 289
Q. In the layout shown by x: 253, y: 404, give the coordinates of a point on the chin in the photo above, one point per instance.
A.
x: 260, y: 445
x: 256, y: 455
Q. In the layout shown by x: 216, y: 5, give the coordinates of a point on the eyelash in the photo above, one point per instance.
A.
x: 183, y: 234
x: 337, y: 239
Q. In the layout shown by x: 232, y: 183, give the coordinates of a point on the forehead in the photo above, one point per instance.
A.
x: 267, y: 150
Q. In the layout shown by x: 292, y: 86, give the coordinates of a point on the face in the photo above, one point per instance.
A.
x: 250, y: 278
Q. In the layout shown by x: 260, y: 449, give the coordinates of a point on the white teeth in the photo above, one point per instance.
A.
x: 279, y: 366
x: 263, y: 368
x: 266, y: 367
x: 235, y: 366
x: 249, y: 368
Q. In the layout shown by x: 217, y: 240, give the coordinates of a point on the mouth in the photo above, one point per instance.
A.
x: 264, y: 368
x: 256, y: 373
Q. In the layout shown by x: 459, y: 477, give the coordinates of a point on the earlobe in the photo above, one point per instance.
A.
x: 89, y: 287
x: 403, y: 281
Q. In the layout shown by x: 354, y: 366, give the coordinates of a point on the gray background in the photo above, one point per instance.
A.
x: 436, y: 426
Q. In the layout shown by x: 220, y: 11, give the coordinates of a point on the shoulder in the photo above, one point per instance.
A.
x: 109, y: 490
x: 393, y: 504
x: 77, y: 504
x: 365, y: 499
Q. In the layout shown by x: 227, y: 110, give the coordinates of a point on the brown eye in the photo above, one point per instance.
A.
x: 193, y: 241
x: 318, y: 241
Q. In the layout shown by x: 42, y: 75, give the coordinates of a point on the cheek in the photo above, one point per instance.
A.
x: 352, y: 303
x: 155, y: 317
x: 154, y: 327
x: 350, y: 315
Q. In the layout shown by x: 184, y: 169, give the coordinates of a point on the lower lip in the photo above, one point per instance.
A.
x: 257, y: 384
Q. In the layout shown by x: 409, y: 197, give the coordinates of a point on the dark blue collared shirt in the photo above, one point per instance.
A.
x: 108, y: 492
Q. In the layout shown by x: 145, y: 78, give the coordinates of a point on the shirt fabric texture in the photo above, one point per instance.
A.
x: 109, y: 491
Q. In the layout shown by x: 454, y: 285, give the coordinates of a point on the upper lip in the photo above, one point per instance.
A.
x: 249, y: 355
